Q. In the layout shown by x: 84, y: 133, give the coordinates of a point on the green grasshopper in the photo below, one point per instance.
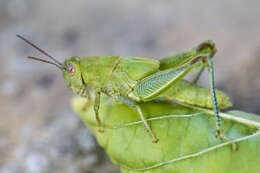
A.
x: 133, y: 80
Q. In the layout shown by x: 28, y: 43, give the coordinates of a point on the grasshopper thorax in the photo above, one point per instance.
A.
x: 72, y: 75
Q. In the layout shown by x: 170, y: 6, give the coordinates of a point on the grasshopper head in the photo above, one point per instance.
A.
x: 72, y: 76
x: 70, y: 69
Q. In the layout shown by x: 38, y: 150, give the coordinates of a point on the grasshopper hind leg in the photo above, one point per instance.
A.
x: 214, y: 100
x: 197, y: 76
x: 176, y: 67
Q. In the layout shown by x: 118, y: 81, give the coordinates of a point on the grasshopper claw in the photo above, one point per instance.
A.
x: 224, y: 138
x: 100, y: 130
x: 155, y: 140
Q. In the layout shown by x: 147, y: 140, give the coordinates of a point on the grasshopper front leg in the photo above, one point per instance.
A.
x: 88, y: 96
x: 96, y: 106
x: 96, y: 109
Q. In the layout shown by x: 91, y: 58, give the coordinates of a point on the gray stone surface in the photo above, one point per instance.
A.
x: 38, y: 130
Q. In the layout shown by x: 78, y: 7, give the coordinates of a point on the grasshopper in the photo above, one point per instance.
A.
x: 133, y: 80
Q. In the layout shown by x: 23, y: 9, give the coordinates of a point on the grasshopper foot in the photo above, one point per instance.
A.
x: 224, y: 138
x: 85, y: 106
x: 155, y: 140
x: 99, y: 124
x: 100, y: 130
x: 218, y: 133
x: 234, y: 146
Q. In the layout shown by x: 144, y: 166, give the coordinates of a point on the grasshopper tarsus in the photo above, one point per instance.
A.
x: 234, y: 147
x: 85, y: 106
x: 218, y: 132
x: 99, y: 124
x: 226, y: 139
x: 155, y: 140
x: 100, y: 130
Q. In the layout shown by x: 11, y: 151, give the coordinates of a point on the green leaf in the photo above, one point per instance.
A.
x: 186, y: 134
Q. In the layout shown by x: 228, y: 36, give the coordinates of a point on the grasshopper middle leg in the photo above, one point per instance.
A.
x: 139, y: 110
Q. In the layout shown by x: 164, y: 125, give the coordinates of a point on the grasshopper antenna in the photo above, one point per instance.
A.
x: 45, y: 61
x: 40, y: 50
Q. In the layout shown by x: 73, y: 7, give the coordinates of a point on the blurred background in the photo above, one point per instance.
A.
x: 40, y: 133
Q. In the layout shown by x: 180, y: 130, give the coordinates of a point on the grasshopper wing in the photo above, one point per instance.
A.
x: 151, y: 86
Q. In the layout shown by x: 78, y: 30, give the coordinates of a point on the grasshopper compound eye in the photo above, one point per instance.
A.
x: 70, y: 68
